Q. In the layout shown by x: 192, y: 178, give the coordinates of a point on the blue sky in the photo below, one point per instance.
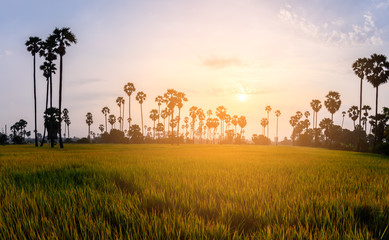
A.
x: 278, y: 53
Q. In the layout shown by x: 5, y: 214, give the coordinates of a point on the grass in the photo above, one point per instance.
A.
x: 192, y: 192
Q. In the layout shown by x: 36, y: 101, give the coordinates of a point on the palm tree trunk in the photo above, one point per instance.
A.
x: 360, y: 103
x: 268, y: 123
x: 277, y: 133
x: 129, y: 112
x: 178, y: 128
x: 60, y: 102
x: 35, y: 131
x: 89, y: 132
x: 141, y: 113
x: 376, y: 113
x: 120, y: 115
x: 123, y: 119
x: 47, y: 102
x: 68, y: 131
x: 106, y: 129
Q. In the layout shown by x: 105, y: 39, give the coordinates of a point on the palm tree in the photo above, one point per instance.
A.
x: 129, y: 88
x: 154, y: 116
x: 33, y: 46
x: 343, y: 114
x: 101, y: 128
x: 47, y: 50
x: 64, y: 38
x: 112, y: 120
x: 221, y: 113
x: 105, y: 111
x: 164, y: 115
x: 325, y: 124
x: 333, y: 102
x: 234, y: 122
x: 365, y: 108
x: 359, y: 67
x: 242, y: 123
x: 141, y: 97
x: 65, y: 117
x: 89, y: 121
x: 159, y: 100
x: 307, y: 114
x: 316, y: 106
x: 264, y: 123
x: 353, y: 113
x: 278, y: 113
x: 180, y: 98
x: 377, y: 74
x: 268, y: 109
x: 119, y: 102
x: 201, y: 116
x: 48, y: 69
x: 193, y: 115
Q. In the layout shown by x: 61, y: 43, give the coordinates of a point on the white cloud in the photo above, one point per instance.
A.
x: 383, y: 4
x: 335, y: 32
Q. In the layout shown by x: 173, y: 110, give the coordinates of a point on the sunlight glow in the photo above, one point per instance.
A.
x: 242, y: 97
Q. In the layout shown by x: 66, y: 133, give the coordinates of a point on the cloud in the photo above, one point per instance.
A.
x: 216, y: 62
x: 382, y: 4
x: 335, y: 32
x: 5, y: 53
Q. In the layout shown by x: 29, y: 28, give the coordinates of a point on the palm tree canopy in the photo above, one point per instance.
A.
x: 33, y: 45
x: 119, y: 101
x: 242, y: 121
x: 141, y: 97
x: 267, y: 108
x: 154, y: 114
x: 105, y: 110
x: 278, y: 113
x: 89, y: 118
x: 316, y: 105
x: 129, y: 88
x: 64, y: 38
x: 378, y: 70
x: 46, y: 67
x: 359, y: 67
x: 333, y: 102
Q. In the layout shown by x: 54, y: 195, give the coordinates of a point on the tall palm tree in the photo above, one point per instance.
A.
x: 101, y: 128
x: 105, y: 111
x: 193, y: 115
x: 33, y: 46
x: 159, y: 100
x: 154, y: 117
x: 129, y: 88
x: 221, y: 112
x: 201, y: 116
x: 359, y: 67
x: 64, y: 38
x: 48, y: 69
x: 332, y: 103
x: 112, y: 120
x: 268, y: 109
x: 353, y: 113
x: 264, y: 123
x: 242, y: 123
x: 234, y: 122
x: 378, y: 73
x: 365, y: 108
x: 164, y: 115
x: 47, y: 50
x: 65, y: 117
x: 119, y: 102
x: 89, y: 121
x: 180, y: 98
x: 278, y: 113
x: 316, y: 106
x: 141, y: 97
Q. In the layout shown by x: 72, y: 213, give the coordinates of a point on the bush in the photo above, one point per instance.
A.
x: 260, y: 140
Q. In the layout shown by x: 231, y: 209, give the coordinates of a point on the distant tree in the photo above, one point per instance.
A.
x: 264, y: 123
x: 333, y: 102
x: 105, y: 111
x: 66, y: 119
x: 33, y: 46
x: 343, y: 114
x: 159, y: 100
x: 221, y: 113
x: 201, y: 116
x: 180, y: 99
x: 135, y: 134
x: 316, y: 106
x: 242, y: 124
x: 52, y: 122
x: 353, y: 113
x: 377, y: 74
x: 307, y: 114
x: 63, y: 38
x: 154, y: 117
x: 89, y: 121
x: 278, y: 113
x: 129, y: 88
x: 119, y: 102
x: 112, y: 120
x: 325, y: 124
x: 193, y: 115
x: 268, y: 110
x: 365, y: 108
x: 360, y: 69
x: 141, y: 97
x: 101, y: 128
x: 164, y: 115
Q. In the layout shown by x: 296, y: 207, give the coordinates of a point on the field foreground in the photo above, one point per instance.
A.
x: 192, y: 191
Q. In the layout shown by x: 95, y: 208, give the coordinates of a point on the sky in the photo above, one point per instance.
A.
x: 278, y: 53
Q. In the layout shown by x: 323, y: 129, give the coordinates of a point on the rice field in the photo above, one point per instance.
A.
x: 192, y: 192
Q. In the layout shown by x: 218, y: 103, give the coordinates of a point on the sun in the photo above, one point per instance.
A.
x: 242, y: 97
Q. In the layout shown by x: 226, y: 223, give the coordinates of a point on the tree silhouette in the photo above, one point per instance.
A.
x: 278, y: 113
x: 343, y: 114
x: 353, y: 113
x: 268, y: 110
x: 377, y: 74
x: 112, y: 120
x: 89, y: 121
x: 360, y: 68
x: 242, y: 124
x: 129, y: 88
x: 201, y: 116
x: 66, y: 119
x: 221, y: 112
x: 141, y: 97
x: 316, y: 106
x: 333, y: 102
x: 164, y: 115
x: 326, y: 124
x: 365, y: 108
x: 101, y: 128
x: 159, y: 100
x: 47, y: 50
x: 264, y: 123
x: 180, y: 98
x: 52, y: 121
x: 154, y: 117
x: 48, y: 69
x: 234, y: 122
x: 105, y: 111
x: 64, y: 38
x: 193, y: 115
x: 119, y: 102
x: 33, y: 46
